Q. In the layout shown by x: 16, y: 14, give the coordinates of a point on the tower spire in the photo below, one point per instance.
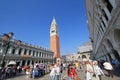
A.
x: 53, y: 21
x: 54, y: 39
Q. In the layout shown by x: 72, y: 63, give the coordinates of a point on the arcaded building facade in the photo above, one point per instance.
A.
x: 26, y: 54
x: 104, y: 28
x: 83, y: 54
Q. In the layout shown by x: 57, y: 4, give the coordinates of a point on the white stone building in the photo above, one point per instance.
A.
x: 104, y: 28
x: 86, y: 47
x: 26, y: 54
x: 83, y: 54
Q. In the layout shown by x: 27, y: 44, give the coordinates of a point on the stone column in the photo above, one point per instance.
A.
x: 30, y: 62
x: 17, y: 51
x: 26, y: 62
x: 38, y: 61
x: 10, y: 50
x: 22, y: 52
x: 38, y: 54
x: 34, y: 62
x: 41, y: 54
x: 28, y: 52
x: 35, y: 54
x: 21, y: 62
x: 7, y: 61
x: 32, y: 53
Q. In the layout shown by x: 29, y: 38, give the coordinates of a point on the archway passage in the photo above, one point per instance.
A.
x: 78, y: 57
x: 117, y: 41
x: 117, y: 56
x: 28, y: 62
x: 84, y: 58
x: 110, y: 58
x: 23, y: 63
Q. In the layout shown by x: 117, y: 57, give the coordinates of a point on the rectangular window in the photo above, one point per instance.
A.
x: 20, y: 51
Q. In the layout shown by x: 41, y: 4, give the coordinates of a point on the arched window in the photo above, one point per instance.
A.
x: 78, y: 57
x: 83, y: 56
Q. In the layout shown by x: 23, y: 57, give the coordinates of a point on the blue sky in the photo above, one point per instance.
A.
x: 30, y: 21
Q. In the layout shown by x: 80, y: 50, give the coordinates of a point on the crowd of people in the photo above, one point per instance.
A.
x: 9, y: 71
x: 31, y: 71
x: 57, y: 69
x: 93, y: 70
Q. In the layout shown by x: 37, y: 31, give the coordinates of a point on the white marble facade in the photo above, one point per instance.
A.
x: 27, y: 54
x: 104, y: 28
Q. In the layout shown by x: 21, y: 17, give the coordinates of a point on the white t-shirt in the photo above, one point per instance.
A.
x: 98, y: 70
x: 57, y: 69
x: 52, y: 73
x: 107, y: 66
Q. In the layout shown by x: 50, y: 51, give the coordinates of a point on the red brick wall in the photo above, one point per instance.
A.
x: 55, y: 46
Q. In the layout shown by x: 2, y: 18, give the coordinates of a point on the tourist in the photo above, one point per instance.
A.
x: 89, y: 70
x: 52, y: 72
x: 57, y: 70
x: 71, y: 72
x: 109, y: 68
x: 98, y: 71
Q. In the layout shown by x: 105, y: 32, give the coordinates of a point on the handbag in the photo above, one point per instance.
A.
x: 94, y: 75
x: 76, y: 77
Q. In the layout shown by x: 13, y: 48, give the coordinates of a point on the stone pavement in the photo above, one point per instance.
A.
x: 63, y: 77
x: 116, y: 76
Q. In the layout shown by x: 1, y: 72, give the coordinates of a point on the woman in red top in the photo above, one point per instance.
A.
x: 71, y: 72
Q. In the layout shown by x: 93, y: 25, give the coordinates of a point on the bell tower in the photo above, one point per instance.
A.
x: 54, y: 39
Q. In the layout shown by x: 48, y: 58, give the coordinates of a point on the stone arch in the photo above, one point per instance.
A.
x: 79, y: 57
x: 84, y: 58
x: 23, y: 62
x: 116, y: 55
x: 108, y: 56
x: 116, y: 39
x: 28, y: 62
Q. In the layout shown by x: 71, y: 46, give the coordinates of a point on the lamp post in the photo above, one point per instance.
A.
x: 6, y: 40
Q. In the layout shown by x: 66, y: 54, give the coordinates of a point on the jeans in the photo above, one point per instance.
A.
x: 58, y: 77
x: 53, y: 77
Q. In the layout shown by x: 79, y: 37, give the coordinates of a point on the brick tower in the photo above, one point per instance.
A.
x: 54, y: 40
